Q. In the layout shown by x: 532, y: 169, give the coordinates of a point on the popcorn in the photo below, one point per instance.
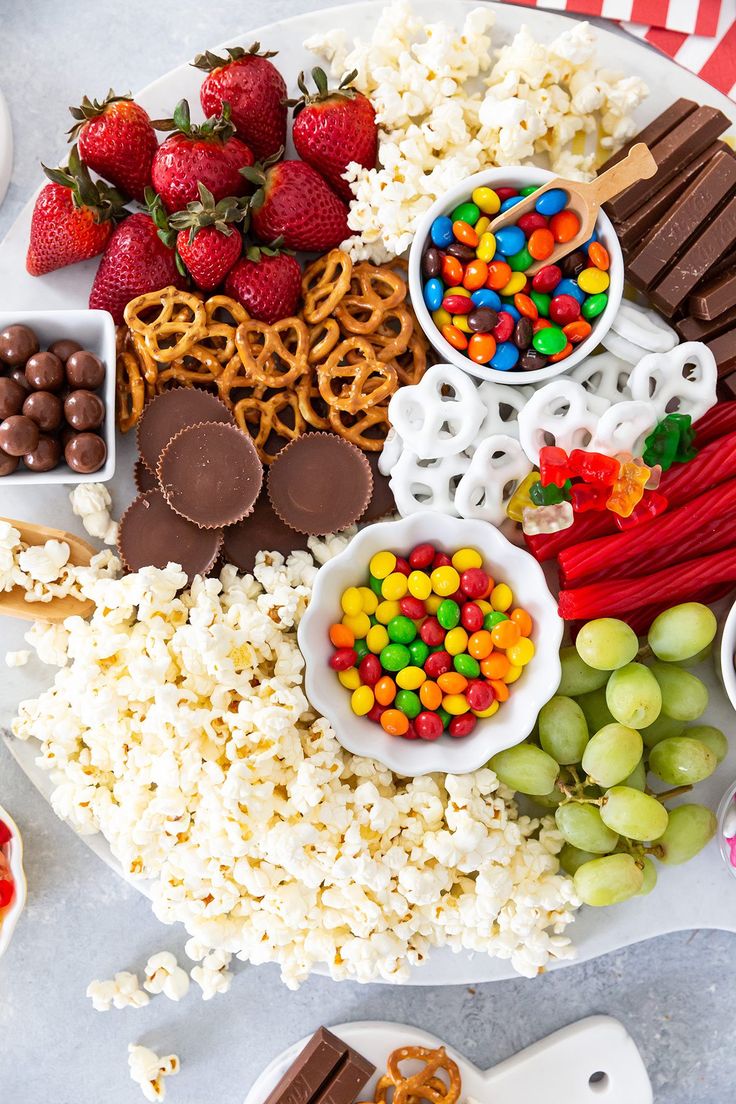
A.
x: 122, y: 991
x: 178, y: 727
x: 17, y: 659
x: 164, y: 975
x: 43, y: 571
x: 91, y: 502
x: 148, y: 1070
x: 436, y: 127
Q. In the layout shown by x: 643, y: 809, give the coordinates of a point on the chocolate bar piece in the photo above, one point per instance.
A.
x: 699, y: 201
x: 723, y: 349
x: 714, y: 297
x: 632, y: 230
x: 718, y: 236
x: 727, y: 388
x: 327, y: 1071
x: 655, y: 131
x: 689, y: 138
x: 698, y: 329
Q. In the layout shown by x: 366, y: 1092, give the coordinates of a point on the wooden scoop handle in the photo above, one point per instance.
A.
x: 637, y: 165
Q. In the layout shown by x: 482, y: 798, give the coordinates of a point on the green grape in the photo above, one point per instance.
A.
x: 690, y: 827
x: 525, y: 768
x: 638, y: 777
x: 593, y: 705
x: 682, y: 761
x: 712, y: 737
x: 609, y: 880
x: 611, y: 754
x: 661, y: 729
x: 582, y: 826
x: 578, y: 677
x: 649, y: 872
x: 563, y: 732
x: 699, y: 657
x: 607, y: 644
x: 681, y: 632
x: 684, y: 696
x: 633, y: 814
x: 633, y: 696
x: 571, y: 858
x: 549, y: 800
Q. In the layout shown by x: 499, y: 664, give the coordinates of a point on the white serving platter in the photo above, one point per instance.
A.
x: 594, y: 1061
x: 698, y: 895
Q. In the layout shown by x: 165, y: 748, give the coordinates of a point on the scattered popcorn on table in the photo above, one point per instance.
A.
x: 91, y: 503
x: 148, y: 1070
x: 177, y: 725
x: 164, y: 975
x: 122, y: 991
x: 438, y: 124
x: 17, y: 659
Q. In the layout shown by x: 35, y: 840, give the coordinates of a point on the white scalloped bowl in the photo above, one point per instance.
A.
x: 517, y: 176
x: 511, y: 723
x: 14, y: 853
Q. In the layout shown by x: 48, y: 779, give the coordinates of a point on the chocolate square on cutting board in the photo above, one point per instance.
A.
x: 327, y: 1071
x: 688, y: 139
x: 700, y: 200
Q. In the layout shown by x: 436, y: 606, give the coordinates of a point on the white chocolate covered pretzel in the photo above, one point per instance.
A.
x: 605, y: 377
x: 560, y: 413
x: 624, y: 428
x: 497, y: 467
x: 682, y: 380
x: 420, y: 484
x: 641, y: 328
x: 440, y: 416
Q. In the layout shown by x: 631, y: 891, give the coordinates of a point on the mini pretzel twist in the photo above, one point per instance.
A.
x: 362, y: 380
x: 425, y: 1085
x: 392, y: 335
x: 313, y: 408
x: 130, y: 390
x: 217, y: 305
x: 367, y: 429
x: 274, y: 355
x: 264, y: 420
x: 323, y: 337
x: 180, y: 317
x: 324, y: 284
x: 373, y: 292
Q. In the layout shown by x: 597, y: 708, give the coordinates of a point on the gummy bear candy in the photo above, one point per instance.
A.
x: 670, y: 442
x: 594, y: 467
x: 652, y: 504
x: 548, y: 519
x: 628, y: 489
x: 553, y: 465
x: 521, y: 497
x: 584, y: 497
x: 550, y: 495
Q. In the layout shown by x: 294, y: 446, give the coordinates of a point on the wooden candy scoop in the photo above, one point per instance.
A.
x: 13, y: 603
x: 584, y: 198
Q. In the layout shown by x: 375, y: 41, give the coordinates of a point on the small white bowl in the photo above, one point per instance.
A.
x: 511, y: 724
x: 726, y: 667
x: 94, y: 330
x: 516, y: 176
x: 14, y: 853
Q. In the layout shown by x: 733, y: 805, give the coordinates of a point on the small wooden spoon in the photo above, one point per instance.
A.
x: 584, y: 198
x: 13, y: 603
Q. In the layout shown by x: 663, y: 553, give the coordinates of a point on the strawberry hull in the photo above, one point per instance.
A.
x: 257, y: 94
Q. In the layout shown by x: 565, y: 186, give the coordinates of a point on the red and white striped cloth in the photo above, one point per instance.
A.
x: 700, y: 35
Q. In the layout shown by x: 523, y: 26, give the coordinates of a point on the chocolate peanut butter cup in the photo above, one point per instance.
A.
x: 151, y: 534
x: 143, y: 478
x: 211, y: 474
x: 172, y: 411
x: 319, y: 484
x: 261, y: 531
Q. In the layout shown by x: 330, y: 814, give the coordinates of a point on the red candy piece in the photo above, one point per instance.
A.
x: 441, y: 559
x: 411, y: 732
x: 432, y: 632
x: 531, y: 221
x: 479, y: 695
x: 553, y: 466
x: 428, y: 725
x: 504, y: 328
x: 375, y: 712
x: 7, y: 889
x: 462, y: 726
x: 586, y: 496
x: 594, y: 467
x: 412, y: 608
x: 370, y: 669
x: 652, y: 504
x: 471, y: 617
x: 436, y: 664
x: 5, y: 834
x: 458, y: 304
x: 421, y: 556
x: 546, y: 280
x: 506, y: 193
x: 343, y: 659
x: 564, y: 309
x: 402, y: 566
x: 474, y: 582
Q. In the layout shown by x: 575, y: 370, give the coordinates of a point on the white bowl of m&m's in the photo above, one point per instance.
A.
x: 12, y: 878
x: 471, y: 292
x: 431, y: 643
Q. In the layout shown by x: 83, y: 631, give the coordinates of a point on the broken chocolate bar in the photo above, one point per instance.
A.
x: 723, y: 349
x: 714, y: 297
x: 327, y: 1071
x: 655, y: 131
x: 699, y: 329
x: 717, y: 238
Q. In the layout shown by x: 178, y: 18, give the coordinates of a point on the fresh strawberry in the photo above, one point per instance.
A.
x: 116, y: 140
x: 294, y: 203
x: 73, y: 218
x: 333, y: 128
x: 256, y: 92
x: 209, y: 154
x: 267, y: 282
x: 136, y: 261
x: 207, y: 241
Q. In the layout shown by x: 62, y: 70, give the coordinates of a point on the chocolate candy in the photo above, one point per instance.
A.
x: 723, y: 349
x: 83, y: 369
x: 327, y: 1071
x: 45, y: 456
x: 463, y: 252
x: 261, y: 531
x: 482, y: 320
x: 701, y: 329
x: 382, y: 501
x: 17, y: 344
x: 308, y: 500
x: 84, y: 410
x: 45, y: 372
x: 171, y: 412
x: 8, y: 463
x: 211, y: 474
x: 18, y: 435
x: 45, y: 409
x: 63, y: 349
x: 717, y: 236
x: 151, y: 534
x: 431, y: 262
x: 531, y: 360
x: 654, y: 132
x: 715, y: 297
x: 523, y: 333
x: 84, y: 452
x: 143, y: 478
x: 573, y: 264
x: 19, y: 375
x: 11, y: 397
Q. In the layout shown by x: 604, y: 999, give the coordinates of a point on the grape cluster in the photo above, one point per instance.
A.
x: 620, y: 714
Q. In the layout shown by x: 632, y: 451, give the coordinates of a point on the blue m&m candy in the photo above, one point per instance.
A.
x: 505, y: 356
x: 441, y: 232
x: 486, y: 297
x: 510, y: 240
x: 434, y: 293
x: 551, y: 202
x: 570, y: 287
